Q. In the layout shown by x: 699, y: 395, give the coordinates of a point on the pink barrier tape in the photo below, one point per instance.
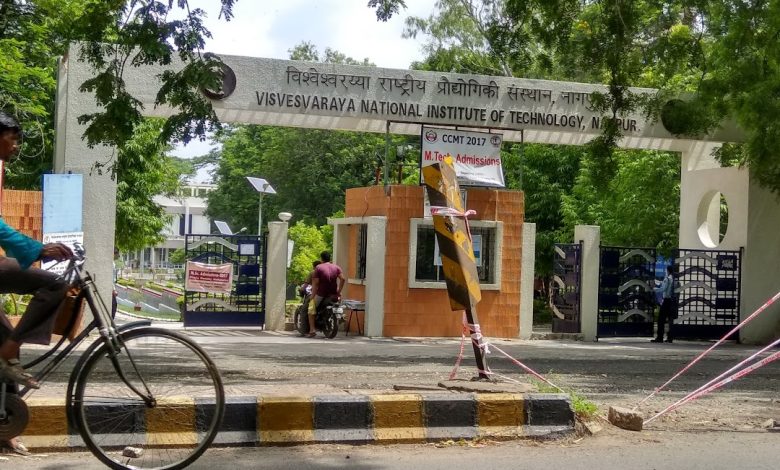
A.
x: 476, y: 335
x: 732, y: 378
x: 527, y: 369
x: 454, y: 372
x: 452, y: 212
x: 687, y: 398
x: 718, y: 343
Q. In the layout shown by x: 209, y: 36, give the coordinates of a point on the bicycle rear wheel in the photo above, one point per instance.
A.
x: 121, y: 429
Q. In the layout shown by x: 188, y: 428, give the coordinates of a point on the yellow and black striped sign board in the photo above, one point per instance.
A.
x: 457, y: 252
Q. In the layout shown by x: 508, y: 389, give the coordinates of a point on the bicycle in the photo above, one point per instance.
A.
x: 131, y: 392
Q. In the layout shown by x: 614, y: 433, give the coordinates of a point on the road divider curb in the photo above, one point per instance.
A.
x: 378, y: 418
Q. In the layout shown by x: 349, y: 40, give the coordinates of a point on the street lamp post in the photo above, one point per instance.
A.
x: 262, y: 187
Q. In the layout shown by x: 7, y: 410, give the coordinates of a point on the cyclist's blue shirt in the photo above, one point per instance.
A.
x: 19, y: 246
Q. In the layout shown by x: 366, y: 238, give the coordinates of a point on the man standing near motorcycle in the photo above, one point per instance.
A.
x: 326, y: 283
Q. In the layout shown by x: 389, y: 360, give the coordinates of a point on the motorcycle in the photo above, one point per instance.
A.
x: 330, y: 314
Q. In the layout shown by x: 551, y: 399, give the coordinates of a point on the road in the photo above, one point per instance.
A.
x: 610, y: 450
x: 610, y: 372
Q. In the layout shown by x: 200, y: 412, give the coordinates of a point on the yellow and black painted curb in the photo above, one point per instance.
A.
x: 268, y: 420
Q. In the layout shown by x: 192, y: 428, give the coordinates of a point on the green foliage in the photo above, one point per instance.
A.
x: 546, y: 173
x: 310, y: 170
x: 741, y: 78
x: 639, y: 206
x: 14, y: 304
x: 178, y: 256
x: 116, y: 35
x: 143, y: 170
x: 309, y: 243
x: 385, y: 9
x: 308, y: 51
x: 583, y: 408
x: 542, y: 312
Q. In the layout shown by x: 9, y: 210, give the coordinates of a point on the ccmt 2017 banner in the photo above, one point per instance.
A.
x: 214, y: 278
x: 475, y: 155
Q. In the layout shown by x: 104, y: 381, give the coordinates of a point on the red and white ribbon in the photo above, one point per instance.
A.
x: 720, y: 341
x: 452, y: 212
x: 703, y: 391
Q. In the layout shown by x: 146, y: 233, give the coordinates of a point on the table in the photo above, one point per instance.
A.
x: 354, y: 306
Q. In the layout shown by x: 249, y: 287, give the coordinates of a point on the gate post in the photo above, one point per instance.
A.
x: 527, y: 271
x: 276, y: 272
x: 590, y: 237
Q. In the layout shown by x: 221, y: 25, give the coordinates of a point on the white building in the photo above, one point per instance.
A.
x: 187, y: 210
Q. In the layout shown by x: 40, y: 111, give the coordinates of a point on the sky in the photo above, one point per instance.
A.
x: 270, y: 28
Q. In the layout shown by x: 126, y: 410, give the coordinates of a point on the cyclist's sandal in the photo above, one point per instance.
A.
x: 14, y: 446
x: 12, y: 369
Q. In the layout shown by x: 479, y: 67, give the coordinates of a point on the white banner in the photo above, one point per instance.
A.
x: 67, y: 238
x: 215, y: 278
x: 476, y: 155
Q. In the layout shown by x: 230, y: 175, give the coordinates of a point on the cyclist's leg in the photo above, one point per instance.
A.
x: 48, y: 292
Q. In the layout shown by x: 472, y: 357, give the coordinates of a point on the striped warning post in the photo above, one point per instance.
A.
x: 457, y: 252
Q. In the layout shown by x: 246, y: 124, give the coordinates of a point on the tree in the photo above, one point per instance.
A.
x: 740, y: 79
x: 115, y: 34
x: 635, y: 209
x: 309, y: 169
x: 546, y: 174
x: 308, y: 51
x: 30, y: 42
x: 385, y: 9
x: 309, y: 242
x: 143, y: 171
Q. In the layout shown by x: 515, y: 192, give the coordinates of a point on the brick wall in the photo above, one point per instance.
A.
x: 23, y: 210
x: 426, y: 312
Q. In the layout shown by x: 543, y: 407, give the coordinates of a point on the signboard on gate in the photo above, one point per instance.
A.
x: 475, y: 155
x: 214, y: 278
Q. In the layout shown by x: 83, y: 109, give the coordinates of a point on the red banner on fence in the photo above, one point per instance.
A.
x: 215, y: 278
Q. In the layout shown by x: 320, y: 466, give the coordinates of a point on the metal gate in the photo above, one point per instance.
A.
x: 710, y: 285
x: 626, y: 301
x: 245, y: 305
x: 565, y: 301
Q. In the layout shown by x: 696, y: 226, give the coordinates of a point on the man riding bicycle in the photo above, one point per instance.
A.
x: 16, y: 275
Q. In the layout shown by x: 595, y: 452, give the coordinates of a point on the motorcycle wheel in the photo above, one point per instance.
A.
x: 331, y: 327
x: 302, y: 320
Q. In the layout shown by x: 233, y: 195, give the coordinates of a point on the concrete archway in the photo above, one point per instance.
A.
x: 368, y: 99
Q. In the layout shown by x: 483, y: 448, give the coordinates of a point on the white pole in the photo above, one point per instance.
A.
x: 260, y: 217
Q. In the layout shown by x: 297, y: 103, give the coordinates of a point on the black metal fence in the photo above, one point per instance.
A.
x: 567, y: 276
x: 245, y: 305
x: 626, y: 300
x: 709, y: 293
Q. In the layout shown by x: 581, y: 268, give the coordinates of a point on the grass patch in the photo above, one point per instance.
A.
x: 583, y: 408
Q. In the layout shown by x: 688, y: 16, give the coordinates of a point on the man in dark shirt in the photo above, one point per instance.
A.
x: 326, y: 283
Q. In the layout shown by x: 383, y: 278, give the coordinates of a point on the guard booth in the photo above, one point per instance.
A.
x: 225, y: 280
x: 387, y: 249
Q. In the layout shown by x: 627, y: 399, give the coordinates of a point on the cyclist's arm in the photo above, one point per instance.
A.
x: 19, y: 246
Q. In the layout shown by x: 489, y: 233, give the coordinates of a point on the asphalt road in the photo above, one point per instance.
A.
x: 610, y: 450
x: 619, y: 372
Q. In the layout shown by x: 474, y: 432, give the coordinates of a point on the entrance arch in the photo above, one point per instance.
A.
x: 370, y: 99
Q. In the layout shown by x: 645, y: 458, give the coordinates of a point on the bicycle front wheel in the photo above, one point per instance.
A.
x: 175, y: 421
